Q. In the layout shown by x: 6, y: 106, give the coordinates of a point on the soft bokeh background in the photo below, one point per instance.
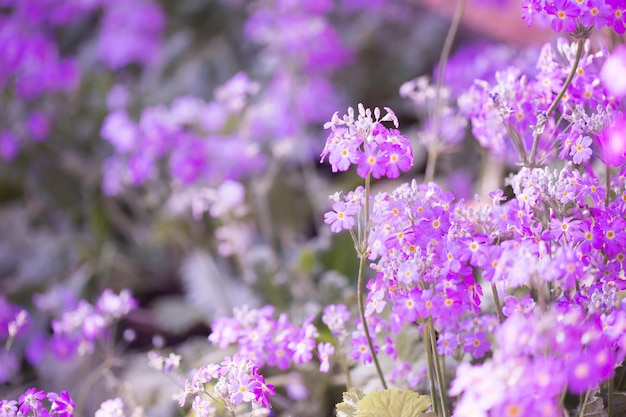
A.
x: 64, y: 236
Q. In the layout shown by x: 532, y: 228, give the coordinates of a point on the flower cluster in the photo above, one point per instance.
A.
x: 298, y: 30
x: 31, y: 404
x: 188, y: 134
x: 264, y: 339
x: 540, y: 355
x: 234, y: 381
x: 450, y: 127
x: 508, y: 114
x: 568, y: 15
x: 366, y: 142
x: 111, y: 408
x: 34, y: 67
x: 78, y: 330
x: 425, y: 249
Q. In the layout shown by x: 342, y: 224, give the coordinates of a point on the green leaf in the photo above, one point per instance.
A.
x: 349, y: 408
x: 393, y: 403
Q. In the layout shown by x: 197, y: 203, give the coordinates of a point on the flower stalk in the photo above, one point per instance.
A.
x: 433, y: 149
x: 533, y: 152
x: 496, y: 300
x: 362, y: 249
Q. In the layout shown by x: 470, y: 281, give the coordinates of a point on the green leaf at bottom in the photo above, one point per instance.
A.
x: 393, y: 403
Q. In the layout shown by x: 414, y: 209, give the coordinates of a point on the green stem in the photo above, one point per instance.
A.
x: 431, y: 163
x: 620, y: 383
x: 9, y: 342
x: 363, y: 249
x: 568, y: 81
x: 343, y: 360
x: 607, y: 184
x: 611, y: 383
x: 443, y: 61
x: 431, y: 367
x: 439, y: 370
x: 496, y: 300
x: 91, y: 379
x: 583, y: 407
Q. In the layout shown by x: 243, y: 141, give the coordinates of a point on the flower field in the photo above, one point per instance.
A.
x: 407, y: 208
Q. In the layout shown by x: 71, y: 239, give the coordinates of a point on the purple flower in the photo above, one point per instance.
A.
x: 399, y: 159
x: 372, y: 161
x: 530, y: 8
x: 116, y: 305
x: 619, y: 15
x: 31, y: 401
x: 342, y: 216
x: 110, y: 408
x: 8, y: 408
x: 512, y: 305
x: 447, y: 343
x: 564, y: 15
x: 9, y: 145
x: 130, y: 32
x: 120, y: 131
x: 476, y: 344
x: 324, y: 352
x: 564, y: 227
x: 360, y: 350
x: 62, y: 404
x: 243, y: 389
x: 38, y: 125
x: 335, y: 317
x: 188, y: 161
x: 581, y: 149
x: 406, y: 306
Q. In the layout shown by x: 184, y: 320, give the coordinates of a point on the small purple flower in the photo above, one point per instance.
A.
x: 122, y: 132
x: 477, y: 344
x: 399, y: 159
x: 360, y: 350
x: 335, y: 317
x: 324, y: 352
x: 406, y: 306
x: 9, y: 146
x: 38, y: 125
x: 372, y: 161
x: 62, y: 404
x: 31, y: 401
x: 109, y: 408
x: 447, y: 343
x: 564, y: 15
x: 581, y: 149
x: 243, y: 389
x: 8, y: 408
x: 131, y: 32
x: 342, y: 216
x: 116, y: 305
